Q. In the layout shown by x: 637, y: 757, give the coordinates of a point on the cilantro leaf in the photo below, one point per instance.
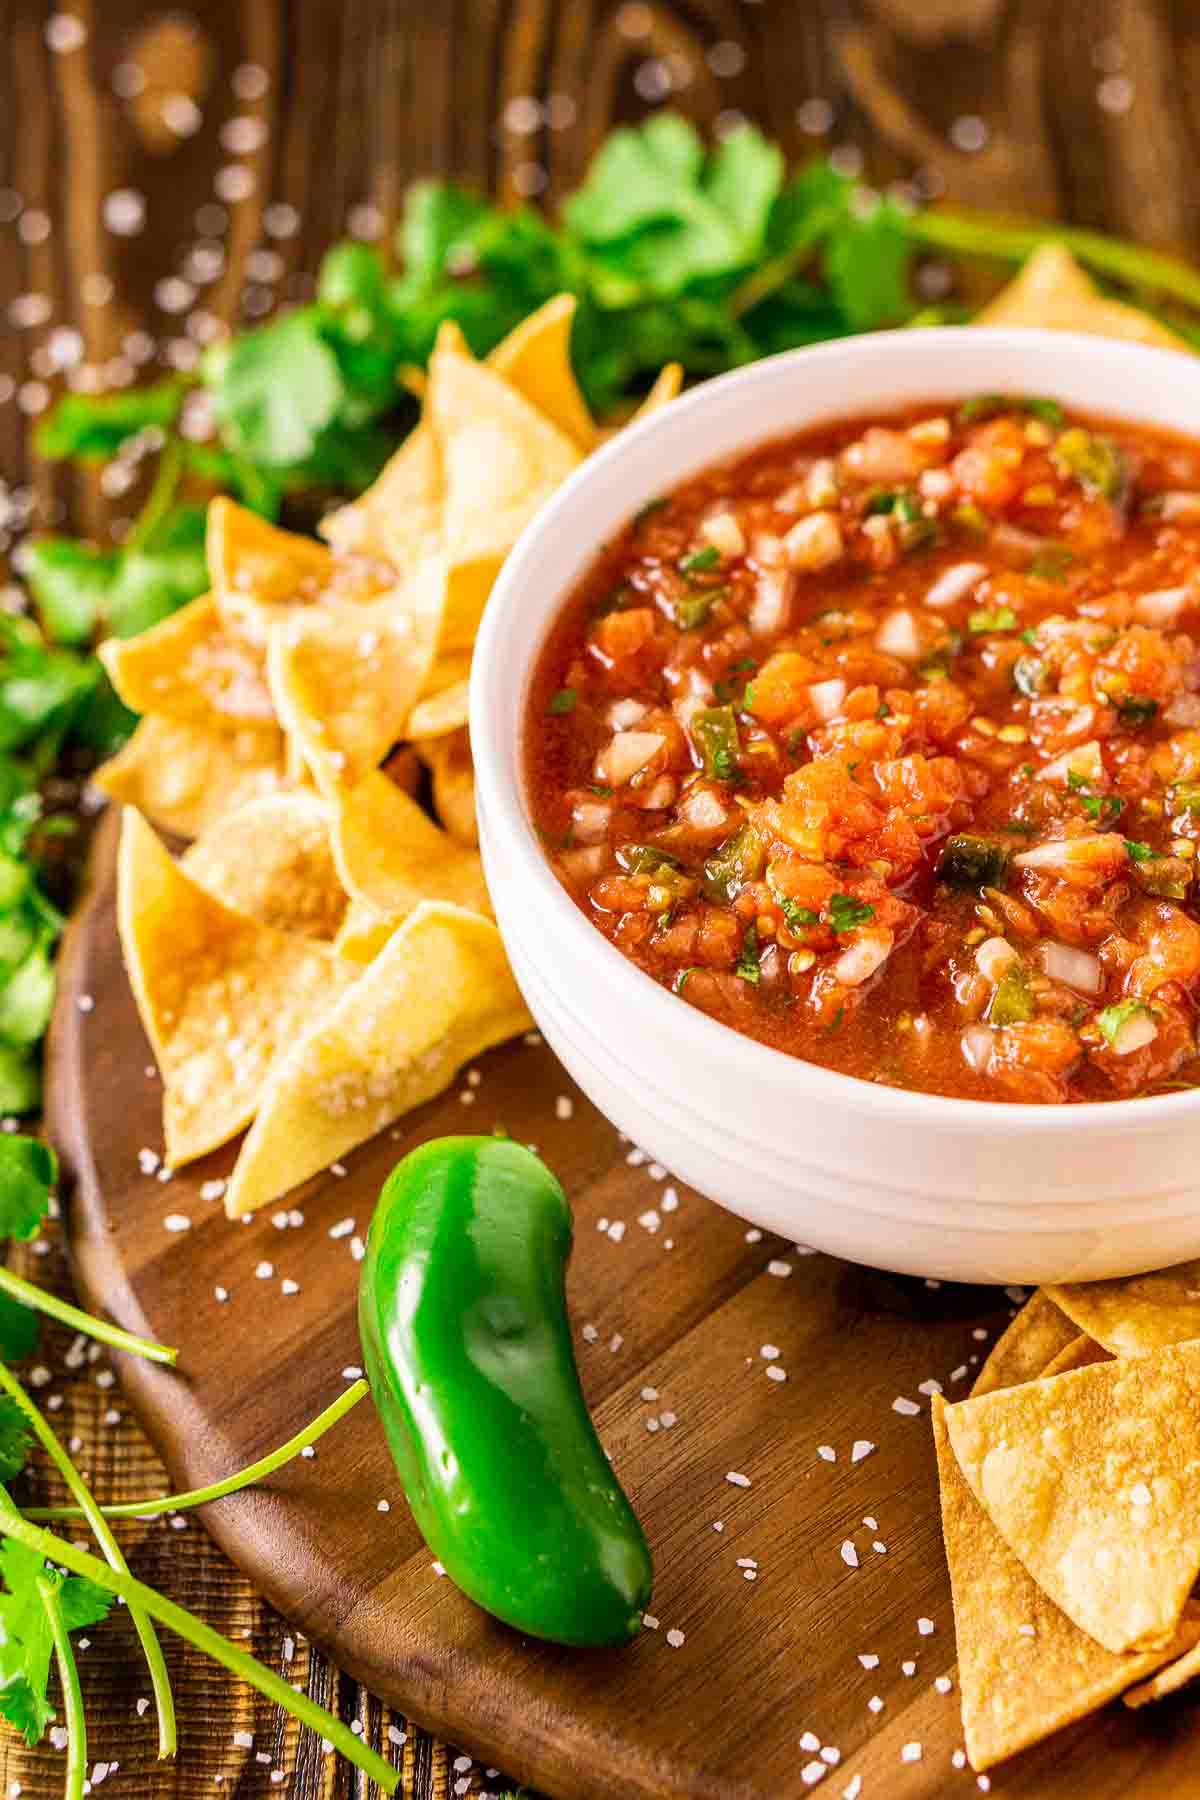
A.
x: 28, y: 1170
x: 158, y: 576
x: 275, y: 390
x: 26, y: 1644
x: 68, y: 581
x: 846, y: 913
x: 19, y: 1331
x: 16, y: 1439
x: 747, y: 963
x: 438, y: 219
x: 94, y: 426
x: 867, y: 264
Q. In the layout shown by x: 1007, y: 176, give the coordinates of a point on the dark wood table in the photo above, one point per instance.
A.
x: 324, y: 110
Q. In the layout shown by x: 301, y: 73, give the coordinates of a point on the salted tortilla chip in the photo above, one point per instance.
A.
x: 1176, y: 1675
x: 453, y: 772
x: 220, y: 996
x: 1135, y: 1314
x: 189, y: 667
x: 1053, y: 292
x: 1024, y: 1670
x: 259, y: 573
x: 536, y: 360
x: 1035, y: 1337
x: 273, y: 861
x: 344, y: 678
x: 185, y: 778
x: 400, y: 515
x: 1093, y: 1480
x: 441, y: 713
x: 1081, y: 1353
x: 364, y: 932
x: 439, y: 993
x: 501, y: 461
x: 390, y: 855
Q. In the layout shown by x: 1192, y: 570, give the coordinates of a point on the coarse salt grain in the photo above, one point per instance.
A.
x: 770, y: 1352
x: 675, y: 1638
x: 264, y: 1271
x: 849, y: 1554
x: 853, y: 1788
x: 925, y: 1627
x: 244, y: 1740
x: 875, y: 1704
x: 810, y: 1741
x: 288, y: 1286
x: 177, y: 1222
x: 775, y: 1373
x: 827, y: 1453
x: 908, y: 1668
x: 908, y: 1408
x: 812, y: 1772
x: 777, y: 1268
x: 942, y: 1683
x: 910, y: 1753
x: 649, y: 1621
x: 221, y: 1293
x: 342, y: 1229
x: 737, y: 1480
x: 868, y: 1659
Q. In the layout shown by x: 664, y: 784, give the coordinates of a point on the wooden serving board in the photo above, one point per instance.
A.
x: 674, y: 1308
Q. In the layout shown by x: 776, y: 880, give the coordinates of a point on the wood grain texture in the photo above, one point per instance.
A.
x: 794, y: 1522
x: 1090, y: 108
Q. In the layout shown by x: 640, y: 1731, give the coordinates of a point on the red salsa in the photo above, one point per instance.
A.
x: 882, y: 745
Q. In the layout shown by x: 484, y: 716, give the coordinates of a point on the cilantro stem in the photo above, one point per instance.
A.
x: 38, y: 1300
x: 72, y: 1693
x: 101, y: 1531
x: 216, y: 1490
x: 162, y: 493
x: 187, y: 1626
x: 1007, y: 240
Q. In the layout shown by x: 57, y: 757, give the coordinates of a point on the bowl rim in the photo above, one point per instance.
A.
x: 498, y: 762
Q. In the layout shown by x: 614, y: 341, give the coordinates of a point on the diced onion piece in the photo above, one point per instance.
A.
x: 882, y: 455
x: 1102, y: 851
x: 1162, y: 606
x: 814, y: 543
x: 626, y: 755
x: 955, y: 583
x: 697, y: 694
x: 772, y: 602
x: 703, y: 810
x: 977, y: 1044
x: 821, y: 482
x: 724, y: 534
x: 1183, y: 508
x: 624, y: 713
x: 994, y: 957
x: 589, y: 820
x: 1084, y: 762
x: 859, y: 961
x: 1184, y: 709
x: 660, y: 793
x: 827, y: 698
x: 898, y: 636
x: 1134, y: 1033
x: 583, y: 865
x: 1077, y: 969
x: 935, y: 484
x: 1010, y: 540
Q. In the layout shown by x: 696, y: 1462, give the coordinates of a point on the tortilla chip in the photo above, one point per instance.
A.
x: 220, y: 996
x: 364, y: 932
x: 391, y: 856
x: 536, y: 360
x: 438, y: 994
x: 1093, y: 1479
x: 344, y: 678
x: 188, y: 667
x: 1177, y: 1674
x: 1081, y: 1353
x: 273, y: 861
x: 1053, y: 292
x: 258, y: 572
x: 441, y: 713
x: 185, y: 778
x: 400, y: 515
x: 449, y: 760
x: 666, y: 387
x: 1135, y: 1314
x: 501, y: 461
x: 1035, y: 1337
x: 1017, y: 1685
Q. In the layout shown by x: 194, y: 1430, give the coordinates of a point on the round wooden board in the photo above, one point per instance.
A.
x: 673, y: 1316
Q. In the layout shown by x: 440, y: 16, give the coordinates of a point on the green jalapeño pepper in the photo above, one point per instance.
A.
x: 467, y: 1344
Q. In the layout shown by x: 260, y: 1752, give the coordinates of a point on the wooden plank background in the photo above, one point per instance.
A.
x: 323, y: 110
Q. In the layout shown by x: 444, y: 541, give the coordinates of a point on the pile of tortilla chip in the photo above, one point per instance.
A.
x: 322, y: 958
x: 1070, y: 1486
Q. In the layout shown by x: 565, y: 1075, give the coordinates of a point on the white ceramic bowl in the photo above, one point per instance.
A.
x: 961, y: 1189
